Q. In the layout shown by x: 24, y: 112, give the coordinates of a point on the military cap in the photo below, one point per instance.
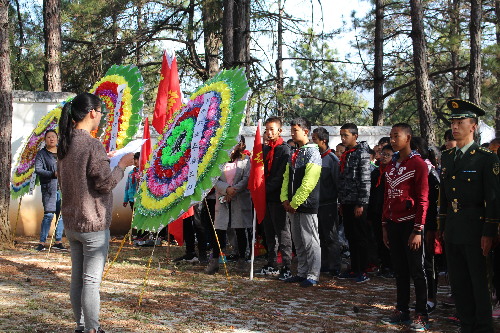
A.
x: 464, y: 109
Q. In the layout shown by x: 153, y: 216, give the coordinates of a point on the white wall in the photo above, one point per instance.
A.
x: 30, y: 107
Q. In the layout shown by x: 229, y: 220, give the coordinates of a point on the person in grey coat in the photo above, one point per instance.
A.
x: 45, y: 168
x: 233, y: 206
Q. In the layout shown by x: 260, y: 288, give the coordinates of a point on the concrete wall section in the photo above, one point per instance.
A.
x: 29, y: 107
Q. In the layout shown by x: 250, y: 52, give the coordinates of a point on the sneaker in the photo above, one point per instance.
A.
x: 308, y: 283
x: 362, y: 278
x: 187, y: 257
x: 295, y: 279
x: 99, y: 330
x: 397, y: 318
x: 420, y: 323
x: 59, y: 247
x: 284, y: 273
x: 269, y: 270
x: 40, y: 247
x: 347, y: 275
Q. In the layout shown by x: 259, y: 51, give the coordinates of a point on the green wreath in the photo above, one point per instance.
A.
x: 186, y: 127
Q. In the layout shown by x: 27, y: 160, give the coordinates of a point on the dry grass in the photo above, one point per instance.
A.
x: 34, y: 288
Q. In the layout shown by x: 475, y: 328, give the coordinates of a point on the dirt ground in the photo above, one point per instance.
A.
x: 181, y: 298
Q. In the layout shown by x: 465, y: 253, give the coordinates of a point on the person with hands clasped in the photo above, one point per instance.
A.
x: 403, y: 219
x: 86, y: 182
x: 300, y: 198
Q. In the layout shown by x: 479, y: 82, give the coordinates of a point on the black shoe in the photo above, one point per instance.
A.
x: 59, y: 247
x: 40, y: 247
x: 285, y: 273
x: 295, y: 279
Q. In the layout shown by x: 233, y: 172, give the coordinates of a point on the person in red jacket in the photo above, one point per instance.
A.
x: 403, y: 218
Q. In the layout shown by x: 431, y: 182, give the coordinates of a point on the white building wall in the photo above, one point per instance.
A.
x: 30, y: 107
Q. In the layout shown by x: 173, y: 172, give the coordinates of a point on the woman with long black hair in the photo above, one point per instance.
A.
x: 86, y: 182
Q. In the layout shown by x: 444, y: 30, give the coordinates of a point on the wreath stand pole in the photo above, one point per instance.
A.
x: 220, y: 249
x: 58, y: 218
x: 117, y: 253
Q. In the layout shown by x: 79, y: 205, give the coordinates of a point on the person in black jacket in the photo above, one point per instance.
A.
x: 327, y: 211
x: 276, y: 226
x: 354, y: 193
x: 45, y: 168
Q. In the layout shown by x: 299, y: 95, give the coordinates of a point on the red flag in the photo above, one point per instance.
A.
x: 169, y: 97
x: 256, y: 182
x: 176, y: 228
x: 146, y: 146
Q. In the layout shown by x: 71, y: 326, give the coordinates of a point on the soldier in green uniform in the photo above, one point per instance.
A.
x: 469, y: 215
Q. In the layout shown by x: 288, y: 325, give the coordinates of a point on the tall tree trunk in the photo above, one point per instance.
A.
x: 455, y: 47
x: 497, y: 24
x: 5, y: 125
x: 138, y: 53
x: 475, y: 52
x: 279, y: 64
x: 421, y: 72
x: 212, y: 17
x: 378, y: 70
x: 52, y: 35
x: 228, y: 33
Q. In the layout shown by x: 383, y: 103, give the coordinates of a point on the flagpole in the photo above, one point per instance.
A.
x: 253, y: 243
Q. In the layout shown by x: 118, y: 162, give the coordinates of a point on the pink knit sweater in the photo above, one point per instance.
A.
x: 86, y: 182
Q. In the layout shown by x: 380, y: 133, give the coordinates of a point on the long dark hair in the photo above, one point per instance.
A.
x: 73, y: 112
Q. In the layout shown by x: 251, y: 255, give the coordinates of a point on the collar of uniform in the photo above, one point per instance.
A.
x: 466, y: 147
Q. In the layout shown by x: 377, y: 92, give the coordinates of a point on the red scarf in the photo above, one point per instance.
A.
x: 136, y: 175
x: 382, y: 169
x: 294, y: 156
x: 326, y: 153
x: 343, y: 158
x: 270, y: 154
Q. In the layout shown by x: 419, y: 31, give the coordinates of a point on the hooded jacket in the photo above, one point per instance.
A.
x: 354, y: 177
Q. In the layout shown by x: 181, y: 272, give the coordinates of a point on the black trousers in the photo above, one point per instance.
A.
x: 407, y: 264
x: 329, y: 237
x: 278, y: 234
x: 194, y: 229
x: 241, y: 236
x: 384, y: 255
x: 469, y: 284
x: 356, y: 232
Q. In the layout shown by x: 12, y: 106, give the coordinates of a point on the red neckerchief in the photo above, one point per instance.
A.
x: 136, y: 175
x: 382, y: 169
x: 343, y: 158
x: 294, y: 156
x: 326, y: 153
x: 270, y: 154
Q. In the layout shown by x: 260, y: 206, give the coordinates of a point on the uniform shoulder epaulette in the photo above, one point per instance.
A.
x: 485, y: 151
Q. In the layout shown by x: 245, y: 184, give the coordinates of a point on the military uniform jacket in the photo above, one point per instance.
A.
x: 469, y: 204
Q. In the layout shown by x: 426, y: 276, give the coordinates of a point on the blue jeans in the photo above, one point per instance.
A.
x: 89, y: 251
x: 47, y: 221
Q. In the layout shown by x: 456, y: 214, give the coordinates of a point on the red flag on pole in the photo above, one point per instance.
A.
x: 169, y: 97
x: 256, y: 182
x: 146, y: 146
